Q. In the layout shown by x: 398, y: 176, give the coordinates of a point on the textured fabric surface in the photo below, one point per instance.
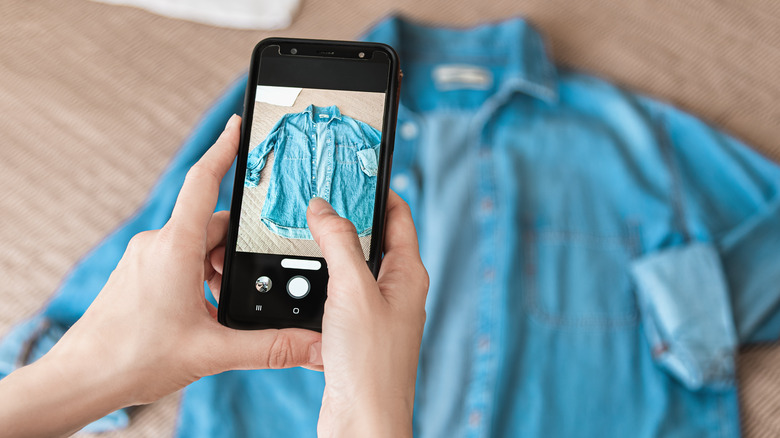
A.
x: 95, y: 100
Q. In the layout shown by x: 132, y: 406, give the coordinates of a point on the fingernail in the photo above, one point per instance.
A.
x: 315, y: 354
x: 231, y: 121
x: 320, y: 206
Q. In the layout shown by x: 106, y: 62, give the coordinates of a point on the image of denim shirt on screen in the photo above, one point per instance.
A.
x: 317, y: 152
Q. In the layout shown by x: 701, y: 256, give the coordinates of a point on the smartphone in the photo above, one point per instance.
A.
x: 319, y: 120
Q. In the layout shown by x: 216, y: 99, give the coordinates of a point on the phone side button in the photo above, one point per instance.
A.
x: 298, y: 287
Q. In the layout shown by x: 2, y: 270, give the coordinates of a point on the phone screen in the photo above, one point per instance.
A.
x: 314, y: 122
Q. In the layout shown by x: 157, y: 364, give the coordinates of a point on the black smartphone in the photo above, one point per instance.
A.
x: 319, y: 120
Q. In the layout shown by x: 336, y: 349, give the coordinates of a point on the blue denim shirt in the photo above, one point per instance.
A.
x: 317, y: 152
x: 595, y: 256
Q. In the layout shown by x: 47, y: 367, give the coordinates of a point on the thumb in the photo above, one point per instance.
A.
x: 337, y: 239
x: 263, y: 349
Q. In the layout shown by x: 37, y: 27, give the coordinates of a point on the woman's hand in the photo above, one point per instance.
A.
x: 150, y: 331
x: 152, y: 317
x: 372, y: 329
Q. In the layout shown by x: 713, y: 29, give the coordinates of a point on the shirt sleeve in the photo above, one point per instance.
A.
x: 369, y: 156
x: 256, y: 159
x: 719, y: 286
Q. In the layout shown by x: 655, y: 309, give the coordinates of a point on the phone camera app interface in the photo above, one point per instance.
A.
x: 314, y: 130
x: 307, y: 142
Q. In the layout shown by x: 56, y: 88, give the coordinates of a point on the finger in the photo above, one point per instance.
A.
x: 338, y: 240
x: 211, y: 309
x: 315, y: 358
x: 402, y: 269
x: 208, y: 270
x: 319, y: 368
x: 217, y: 257
x: 217, y: 229
x: 400, y: 234
x: 215, y: 285
x: 263, y: 349
x: 198, y: 195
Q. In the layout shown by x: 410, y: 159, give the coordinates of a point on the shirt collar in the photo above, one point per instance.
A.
x: 315, y: 111
x: 513, y: 43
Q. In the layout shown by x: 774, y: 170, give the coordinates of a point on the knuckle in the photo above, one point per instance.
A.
x: 165, y: 233
x: 419, y: 278
x: 201, y: 171
x: 404, y: 207
x: 425, y: 279
x: 166, y: 240
x: 401, y: 208
x: 336, y: 228
x: 422, y: 316
x: 280, y: 355
x: 139, y: 241
x: 338, y: 224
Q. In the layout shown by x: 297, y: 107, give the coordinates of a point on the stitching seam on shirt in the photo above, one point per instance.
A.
x: 531, y: 290
x: 678, y: 205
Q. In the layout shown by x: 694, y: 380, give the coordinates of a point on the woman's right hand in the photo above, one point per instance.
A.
x: 371, y: 329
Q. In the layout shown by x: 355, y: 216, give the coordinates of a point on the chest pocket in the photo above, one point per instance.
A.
x: 296, y: 147
x: 575, y: 279
x: 346, y: 151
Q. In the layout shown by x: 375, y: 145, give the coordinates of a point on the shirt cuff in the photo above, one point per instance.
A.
x: 687, y: 315
x: 369, y: 162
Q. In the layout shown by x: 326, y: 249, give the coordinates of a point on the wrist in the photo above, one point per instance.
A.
x: 86, y: 363
x: 58, y: 395
x: 375, y: 416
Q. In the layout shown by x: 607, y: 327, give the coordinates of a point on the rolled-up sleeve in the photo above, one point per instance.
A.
x: 720, y: 287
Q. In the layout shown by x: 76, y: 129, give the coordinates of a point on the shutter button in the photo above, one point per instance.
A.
x: 298, y: 287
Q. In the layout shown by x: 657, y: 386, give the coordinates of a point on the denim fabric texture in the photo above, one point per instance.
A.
x: 317, y: 152
x: 595, y: 255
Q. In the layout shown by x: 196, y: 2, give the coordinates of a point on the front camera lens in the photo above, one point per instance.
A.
x: 293, y: 51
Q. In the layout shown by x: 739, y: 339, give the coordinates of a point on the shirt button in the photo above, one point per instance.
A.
x: 400, y: 183
x: 408, y: 130
x: 475, y: 418
x: 483, y: 344
x: 486, y: 205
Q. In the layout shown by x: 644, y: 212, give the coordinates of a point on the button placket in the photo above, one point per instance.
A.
x: 479, y: 402
x: 409, y: 131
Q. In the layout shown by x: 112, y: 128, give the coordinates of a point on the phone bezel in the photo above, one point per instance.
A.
x: 310, y: 48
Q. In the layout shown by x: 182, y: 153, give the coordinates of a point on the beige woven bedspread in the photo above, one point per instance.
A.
x: 95, y: 100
